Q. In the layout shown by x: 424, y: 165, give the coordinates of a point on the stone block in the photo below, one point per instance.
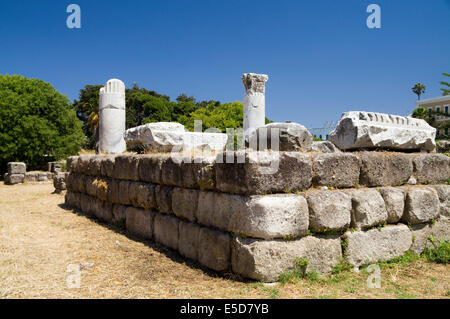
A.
x: 444, y: 197
x: 420, y: 234
x: 422, y: 205
x: 163, y: 197
x: 103, y: 188
x: 166, y: 230
x: 83, y: 164
x: 144, y: 195
x: 72, y: 164
x: 265, y: 260
x: 329, y: 210
x: 150, y: 168
x: 262, y: 172
x: 214, y: 249
x: 324, y: 147
x: 385, y: 169
x: 94, y: 166
x: 377, y: 245
x: 113, y: 194
x: 13, y: 179
x: 338, y: 170
x: 105, y: 211
x: 368, y: 208
x: 184, y: 203
x: 394, y: 199
x: 139, y: 222
x: 126, y: 167
x: 124, y: 193
x: 119, y: 215
x: 16, y: 168
x: 107, y: 166
x: 432, y: 168
x: 31, y: 177
x: 91, y: 185
x: 188, y: 243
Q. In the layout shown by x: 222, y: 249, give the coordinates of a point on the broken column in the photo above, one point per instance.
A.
x: 254, y: 101
x: 112, y: 118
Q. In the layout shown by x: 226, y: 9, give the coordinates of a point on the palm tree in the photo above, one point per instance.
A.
x: 445, y: 91
x: 418, y: 89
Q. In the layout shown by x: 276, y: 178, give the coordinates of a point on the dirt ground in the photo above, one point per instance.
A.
x: 40, y: 240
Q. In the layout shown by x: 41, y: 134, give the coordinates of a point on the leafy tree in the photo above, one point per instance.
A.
x: 37, y: 123
x: 445, y: 91
x: 418, y: 89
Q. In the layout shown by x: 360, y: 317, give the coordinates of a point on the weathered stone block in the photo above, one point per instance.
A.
x: 431, y: 168
x: 16, y: 168
x: 199, y: 173
x: 113, y: 191
x: 94, y: 166
x: 150, y: 168
x: 71, y: 164
x: 368, y: 208
x: 139, y: 222
x: 59, y: 182
x: 119, y: 215
x: 126, y: 167
x: 394, y: 199
x: 422, y: 205
x: 13, y: 179
x: 166, y: 230
x: 188, y: 240
x: 105, y: 211
x: 91, y: 185
x: 31, y: 177
x: 324, y: 147
x: 214, y: 249
x: 42, y: 177
x: 444, y: 197
x: 385, y: 169
x: 171, y: 172
x: 377, y: 244
x: 124, y: 193
x: 163, y: 196
x: 83, y: 164
x: 184, y: 203
x: 265, y: 260
x: 262, y: 172
x: 329, y: 210
x: 338, y: 170
x: 107, y: 166
x: 144, y: 195
x: 420, y: 234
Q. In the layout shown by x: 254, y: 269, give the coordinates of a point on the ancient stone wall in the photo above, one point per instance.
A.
x: 243, y: 217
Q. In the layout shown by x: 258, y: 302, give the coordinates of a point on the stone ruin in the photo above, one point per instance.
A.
x: 227, y: 213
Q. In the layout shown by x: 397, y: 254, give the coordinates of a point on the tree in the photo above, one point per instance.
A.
x: 38, y: 123
x: 418, y: 89
x: 445, y: 91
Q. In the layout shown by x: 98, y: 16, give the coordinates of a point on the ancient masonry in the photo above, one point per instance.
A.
x: 229, y: 217
x: 255, y: 211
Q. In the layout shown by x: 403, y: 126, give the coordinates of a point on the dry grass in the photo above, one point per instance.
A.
x: 39, y: 239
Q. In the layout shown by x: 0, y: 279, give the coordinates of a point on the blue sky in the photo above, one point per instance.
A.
x: 320, y: 56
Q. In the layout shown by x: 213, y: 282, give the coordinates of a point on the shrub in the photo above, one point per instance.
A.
x: 439, y: 253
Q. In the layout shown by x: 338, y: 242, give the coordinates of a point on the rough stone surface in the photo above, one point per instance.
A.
x: 184, y: 203
x: 126, y: 167
x: 59, y: 182
x: 377, y: 244
x: 124, y: 193
x: 150, y: 168
x: 339, y: 170
x: 142, y: 135
x: 107, y: 166
x: 188, y: 240
x: 281, y: 137
x: 358, y: 130
x: 16, y: 168
x: 394, y: 199
x: 262, y: 172
x: 30, y: 177
x: 94, y: 166
x: 139, y: 222
x: 420, y: 234
x: 368, y: 208
x: 166, y: 230
x: 444, y: 197
x: 443, y: 146
x: 163, y: 196
x: 329, y: 211
x: 265, y: 260
x: 12, y: 179
x: 324, y: 147
x: 422, y: 205
x: 384, y: 169
x: 431, y: 168
x: 214, y: 249
x: 119, y: 215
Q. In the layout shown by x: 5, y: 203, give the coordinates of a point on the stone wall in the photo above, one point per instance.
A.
x: 233, y: 217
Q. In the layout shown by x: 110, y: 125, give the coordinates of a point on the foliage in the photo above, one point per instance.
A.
x: 299, y: 271
x: 38, y: 123
x: 446, y: 89
x: 418, y: 89
x: 439, y: 253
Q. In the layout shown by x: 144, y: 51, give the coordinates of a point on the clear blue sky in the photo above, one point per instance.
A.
x: 320, y: 56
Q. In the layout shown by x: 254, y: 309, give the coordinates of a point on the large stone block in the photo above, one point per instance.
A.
x: 329, y: 210
x: 83, y: 164
x: 113, y: 195
x: 59, y: 182
x: 338, y: 170
x: 262, y: 172
x: 107, y: 166
x: 143, y: 195
x: 324, y: 147
x: 31, y: 177
x: 150, y: 168
x: 139, y: 222
x: 91, y: 185
x: 385, y: 169
x: 166, y: 230
x: 184, y: 203
x: 126, y: 167
x: 368, y: 208
x: 214, y: 249
x: 359, y: 130
x: 13, y: 179
x: 444, y: 197
x: 142, y: 135
x: 163, y: 197
x: 104, y: 211
x: 16, y: 168
x: 377, y: 244
x: 432, y: 168
x: 394, y: 199
x: 265, y: 260
x: 188, y: 243
x: 71, y: 164
x: 422, y: 205
x: 94, y: 166
x: 423, y: 234
x: 119, y: 215
x: 124, y: 192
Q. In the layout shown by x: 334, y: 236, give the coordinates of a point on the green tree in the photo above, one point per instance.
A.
x: 446, y: 89
x: 37, y: 123
x: 418, y: 89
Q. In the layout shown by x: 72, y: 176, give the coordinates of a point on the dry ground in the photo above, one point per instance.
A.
x: 39, y: 238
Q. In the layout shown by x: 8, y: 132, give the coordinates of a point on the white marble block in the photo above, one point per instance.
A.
x: 359, y: 130
x: 254, y: 101
x: 112, y: 118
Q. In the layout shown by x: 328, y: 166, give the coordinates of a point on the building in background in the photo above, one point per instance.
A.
x: 438, y: 104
